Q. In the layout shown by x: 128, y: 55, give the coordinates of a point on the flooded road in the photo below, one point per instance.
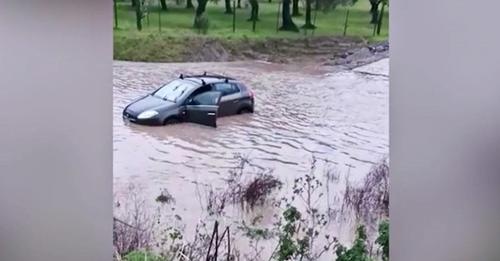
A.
x: 341, y: 118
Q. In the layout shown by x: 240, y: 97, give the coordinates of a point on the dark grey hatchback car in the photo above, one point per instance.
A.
x: 192, y: 98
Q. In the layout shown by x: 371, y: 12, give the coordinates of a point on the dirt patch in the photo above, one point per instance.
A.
x: 327, y: 50
x: 277, y: 50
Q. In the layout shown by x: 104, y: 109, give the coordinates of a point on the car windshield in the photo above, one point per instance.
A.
x: 173, y: 90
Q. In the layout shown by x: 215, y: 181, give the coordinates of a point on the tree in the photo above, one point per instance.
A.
x: 189, y: 4
x: 295, y: 8
x: 374, y: 10
x: 287, y: 22
x: 163, y: 4
x: 229, y: 10
x: 254, y: 13
x: 200, y: 9
x: 309, y: 24
x: 138, y: 13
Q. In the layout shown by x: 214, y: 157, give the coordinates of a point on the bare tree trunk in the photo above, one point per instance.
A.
x: 200, y: 9
x: 189, y: 4
x: 254, y: 14
x: 288, y: 24
x: 374, y: 10
x: 295, y: 8
x: 138, y: 14
x: 229, y: 10
x: 308, y: 24
x: 163, y: 4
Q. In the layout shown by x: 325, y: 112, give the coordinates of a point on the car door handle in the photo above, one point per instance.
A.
x: 211, y: 113
x: 236, y: 101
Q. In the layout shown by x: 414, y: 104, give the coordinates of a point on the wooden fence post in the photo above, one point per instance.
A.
x: 234, y: 16
x: 159, y: 16
x: 278, y: 16
x: 346, y: 21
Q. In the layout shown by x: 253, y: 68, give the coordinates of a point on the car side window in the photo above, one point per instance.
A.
x: 202, y: 89
x: 226, y: 88
x: 206, y: 98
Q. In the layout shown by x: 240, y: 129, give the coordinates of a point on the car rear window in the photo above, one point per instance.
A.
x: 226, y: 88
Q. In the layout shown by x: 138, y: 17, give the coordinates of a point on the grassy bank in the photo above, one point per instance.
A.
x: 177, y: 33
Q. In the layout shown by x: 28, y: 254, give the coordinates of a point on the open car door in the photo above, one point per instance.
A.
x: 202, y: 109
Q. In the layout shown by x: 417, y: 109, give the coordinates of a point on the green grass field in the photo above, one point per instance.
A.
x: 177, y: 23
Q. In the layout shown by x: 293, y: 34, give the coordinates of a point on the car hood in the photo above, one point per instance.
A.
x: 149, y: 102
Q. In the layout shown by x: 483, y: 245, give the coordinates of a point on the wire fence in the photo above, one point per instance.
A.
x: 144, y: 10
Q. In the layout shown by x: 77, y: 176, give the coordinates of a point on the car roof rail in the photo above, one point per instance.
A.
x: 211, y: 75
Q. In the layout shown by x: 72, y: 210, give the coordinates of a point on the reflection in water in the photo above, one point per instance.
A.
x: 341, y: 118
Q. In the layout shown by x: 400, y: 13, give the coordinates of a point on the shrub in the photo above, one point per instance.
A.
x: 244, y: 188
x: 357, y: 252
x: 133, y: 225
x: 383, y: 239
x: 299, y: 232
x: 370, y: 202
x: 256, y: 192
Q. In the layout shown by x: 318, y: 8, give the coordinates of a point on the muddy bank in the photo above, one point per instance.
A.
x: 359, y: 56
x: 345, y: 51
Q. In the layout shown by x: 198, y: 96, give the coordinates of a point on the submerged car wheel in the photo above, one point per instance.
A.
x: 171, y: 120
x: 245, y: 110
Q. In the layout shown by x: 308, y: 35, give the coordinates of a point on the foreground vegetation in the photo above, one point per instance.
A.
x: 300, y: 230
x: 166, y: 34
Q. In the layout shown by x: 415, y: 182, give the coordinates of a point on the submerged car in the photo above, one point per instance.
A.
x: 192, y: 98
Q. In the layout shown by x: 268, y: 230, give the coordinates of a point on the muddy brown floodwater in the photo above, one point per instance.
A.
x: 341, y: 117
